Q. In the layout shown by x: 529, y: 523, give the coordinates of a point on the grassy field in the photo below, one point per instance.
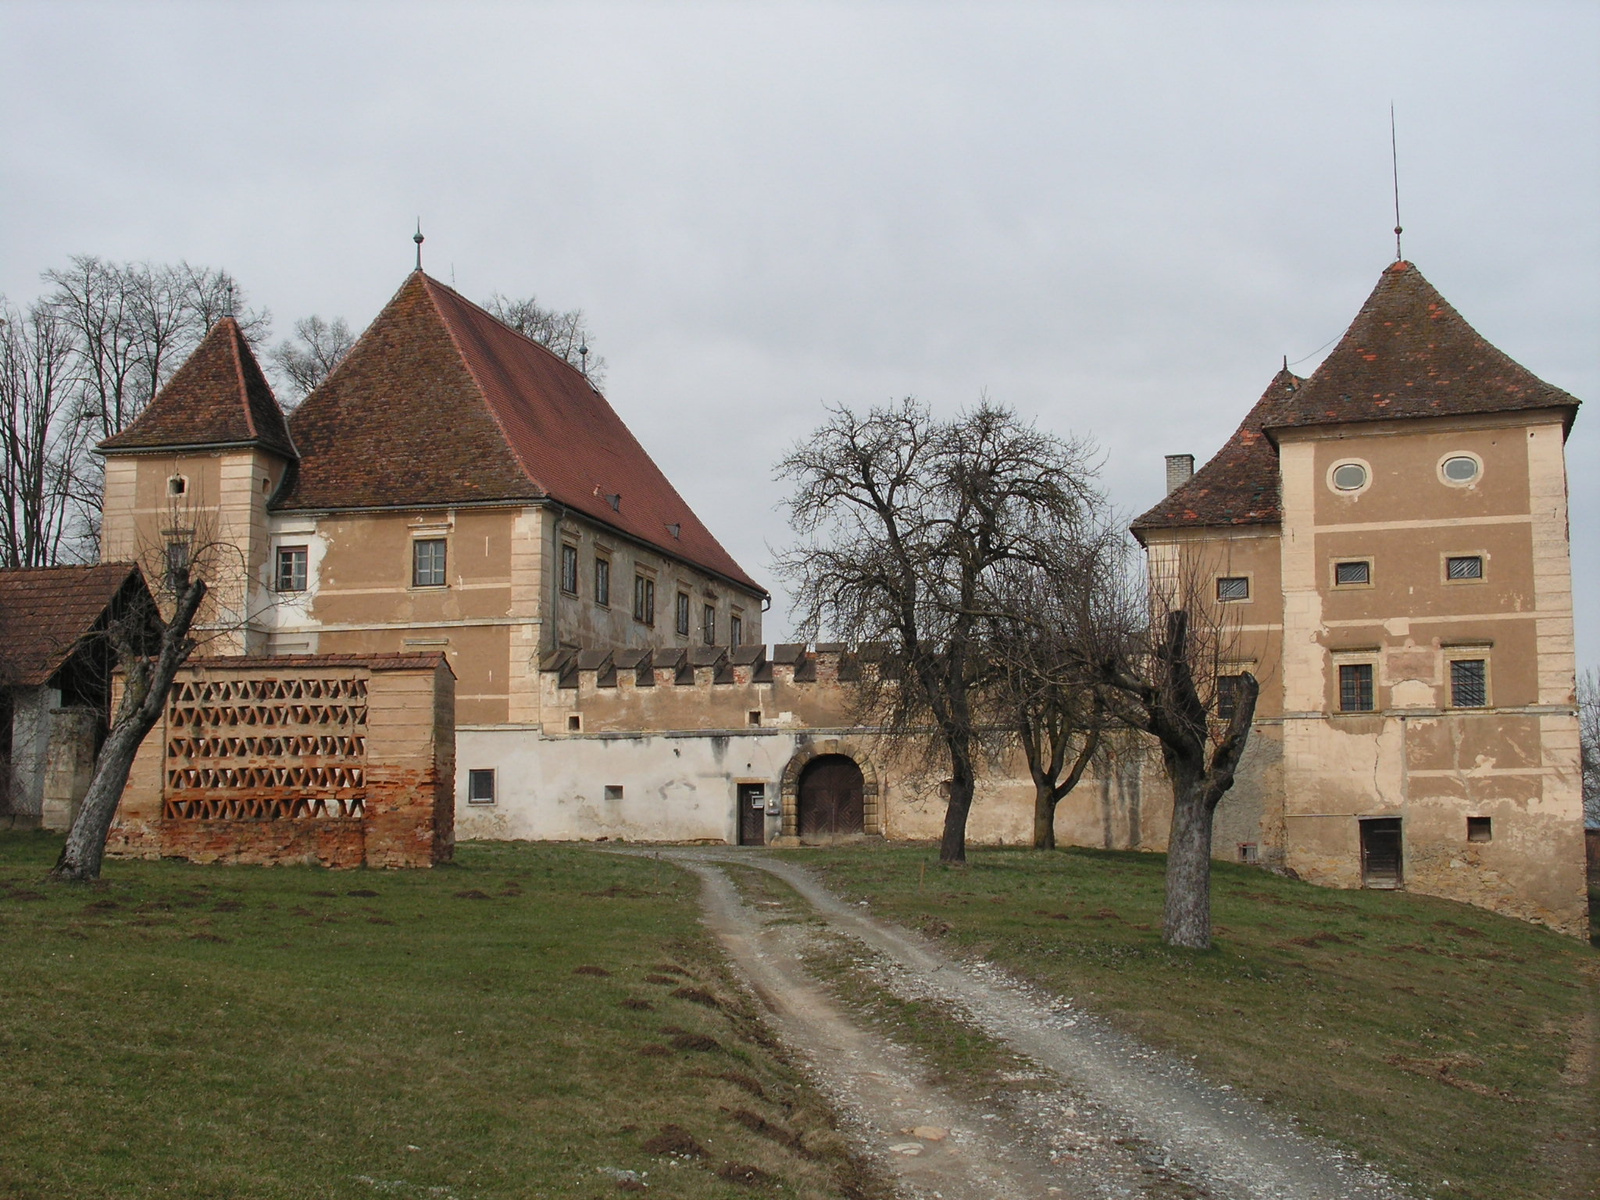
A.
x: 1440, y: 1041
x: 533, y: 1022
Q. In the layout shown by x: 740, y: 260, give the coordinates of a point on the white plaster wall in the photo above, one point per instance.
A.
x: 30, y: 745
x: 675, y: 787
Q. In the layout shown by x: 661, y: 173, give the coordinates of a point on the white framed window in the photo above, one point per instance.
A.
x: 1233, y: 587
x: 292, y: 566
x: 1352, y: 572
x: 1350, y: 476
x: 1463, y: 568
x: 427, y: 563
x: 480, y: 785
x: 1460, y: 468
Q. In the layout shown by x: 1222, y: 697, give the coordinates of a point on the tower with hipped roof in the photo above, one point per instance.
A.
x: 1386, y: 544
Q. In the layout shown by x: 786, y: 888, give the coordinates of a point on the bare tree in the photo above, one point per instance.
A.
x: 306, y: 359
x: 563, y: 333
x: 907, y: 522
x: 1165, y: 659
x: 1589, y: 744
x: 39, y: 440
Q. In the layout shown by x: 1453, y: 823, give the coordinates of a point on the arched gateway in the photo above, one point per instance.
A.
x: 831, y: 796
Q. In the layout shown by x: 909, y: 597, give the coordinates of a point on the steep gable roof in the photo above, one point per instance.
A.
x: 45, y: 612
x: 439, y: 403
x: 218, y: 397
x: 1239, y: 485
x: 1408, y: 353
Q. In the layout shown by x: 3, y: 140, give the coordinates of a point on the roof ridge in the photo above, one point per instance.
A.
x: 477, y: 383
x: 235, y: 333
x: 532, y: 341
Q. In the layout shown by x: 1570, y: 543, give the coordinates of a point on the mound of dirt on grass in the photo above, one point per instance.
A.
x: 638, y: 1005
x: 695, y: 1041
x: 676, y: 1141
x: 697, y: 996
x: 472, y: 894
x: 743, y: 1173
x: 588, y: 969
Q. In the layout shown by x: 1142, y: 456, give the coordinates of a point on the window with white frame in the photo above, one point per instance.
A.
x: 427, y: 562
x: 480, y: 786
x: 291, y: 569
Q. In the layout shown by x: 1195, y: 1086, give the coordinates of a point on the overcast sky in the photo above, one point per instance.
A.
x: 1115, y: 218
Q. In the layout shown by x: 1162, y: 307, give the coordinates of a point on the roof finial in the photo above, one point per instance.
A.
x: 1394, y: 159
x: 583, y: 353
x: 1285, y: 362
x: 417, y: 238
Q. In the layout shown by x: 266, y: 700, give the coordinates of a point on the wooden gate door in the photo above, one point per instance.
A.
x: 1381, y: 861
x: 830, y: 797
x: 752, y: 814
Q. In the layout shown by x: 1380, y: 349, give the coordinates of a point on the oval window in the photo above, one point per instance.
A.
x: 1350, y: 477
x: 1460, y: 469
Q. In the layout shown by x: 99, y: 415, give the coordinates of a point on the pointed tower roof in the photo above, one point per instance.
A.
x: 1408, y: 353
x: 439, y: 403
x: 218, y: 397
x: 1239, y: 485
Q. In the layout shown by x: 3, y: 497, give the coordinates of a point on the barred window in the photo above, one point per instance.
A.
x: 427, y: 562
x: 1355, y: 687
x: 291, y: 575
x: 1469, y: 683
x: 1464, y: 566
x: 1227, y: 696
x: 1350, y: 574
x: 569, y: 569
x: 644, y: 599
x: 1233, y: 587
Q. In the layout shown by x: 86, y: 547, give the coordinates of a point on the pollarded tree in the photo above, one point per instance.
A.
x: 906, y: 525
x: 1163, y: 665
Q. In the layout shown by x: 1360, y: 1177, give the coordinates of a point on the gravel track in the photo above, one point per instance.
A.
x: 1113, y: 1119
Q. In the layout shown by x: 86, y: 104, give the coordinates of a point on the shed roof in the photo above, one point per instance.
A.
x: 46, y: 612
x: 218, y: 397
x: 439, y: 403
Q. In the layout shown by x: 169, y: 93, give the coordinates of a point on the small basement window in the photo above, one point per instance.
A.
x: 755, y: 716
x: 1480, y: 829
x: 1233, y: 587
x: 613, y: 791
x: 480, y: 786
x: 1247, y: 852
x: 574, y: 724
x: 1464, y: 566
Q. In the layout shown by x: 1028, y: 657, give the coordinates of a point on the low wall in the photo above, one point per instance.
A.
x: 340, y: 760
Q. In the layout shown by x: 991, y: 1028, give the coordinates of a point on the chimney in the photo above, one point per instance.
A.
x: 1180, y: 469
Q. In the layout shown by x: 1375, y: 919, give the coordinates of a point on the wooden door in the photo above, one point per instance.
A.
x: 830, y: 797
x: 752, y: 814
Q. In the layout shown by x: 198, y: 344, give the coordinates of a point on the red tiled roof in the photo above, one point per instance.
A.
x: 1408, y: 353
x: 439, y: 403
x: 46, y: 611
x: 1239, y: 485
x: 217, y: 397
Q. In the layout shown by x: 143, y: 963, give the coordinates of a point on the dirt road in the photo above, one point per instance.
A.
x: 1101, y: 1116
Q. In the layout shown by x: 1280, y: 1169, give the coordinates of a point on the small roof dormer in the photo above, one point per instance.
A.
x: 218, y: 398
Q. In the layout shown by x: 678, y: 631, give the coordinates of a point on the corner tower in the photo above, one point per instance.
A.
x: 193, y: 476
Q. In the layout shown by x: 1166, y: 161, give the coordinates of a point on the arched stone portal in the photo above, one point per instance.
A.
x: 798, y: 773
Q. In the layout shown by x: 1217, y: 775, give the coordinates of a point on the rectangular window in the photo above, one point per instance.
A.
x: 1463, y: 566
x: 1233, y: 587
x: 602, y: 582
x: 1469, y: 683
x: 1247, y: 852
x: 683, y: 614
x: 736, y: 631
x: 1355, y: 687
x: 480, y: 786
x: 708, y: 625
x: 1352, y: 574
x: 179, y: 552
x: 569, y: 569
x: 427, y: 562
x: 613, y: 791
x: 1227, y: 696
x: 1480, y: 829
x: 291, y: 575
x: 644, y: 599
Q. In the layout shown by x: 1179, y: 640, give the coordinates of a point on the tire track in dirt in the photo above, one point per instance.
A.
x: 1124, y: 1121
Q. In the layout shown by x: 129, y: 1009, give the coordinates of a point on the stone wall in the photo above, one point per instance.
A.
x: 340, y: 760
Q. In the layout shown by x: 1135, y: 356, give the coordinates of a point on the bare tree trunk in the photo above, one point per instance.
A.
x: 144, y: 696
x: 953, y: 846
x: 1044, y: 815
x: 1186, y: 918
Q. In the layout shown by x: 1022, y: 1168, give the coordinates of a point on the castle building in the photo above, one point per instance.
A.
x: 1385, y: 542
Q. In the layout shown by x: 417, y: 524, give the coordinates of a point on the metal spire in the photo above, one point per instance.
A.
x: 1394, y: 160
x: 417, y: 238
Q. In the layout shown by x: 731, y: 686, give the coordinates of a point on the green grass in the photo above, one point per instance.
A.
x: 1430, y: 1036
x: 194, y: 1031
